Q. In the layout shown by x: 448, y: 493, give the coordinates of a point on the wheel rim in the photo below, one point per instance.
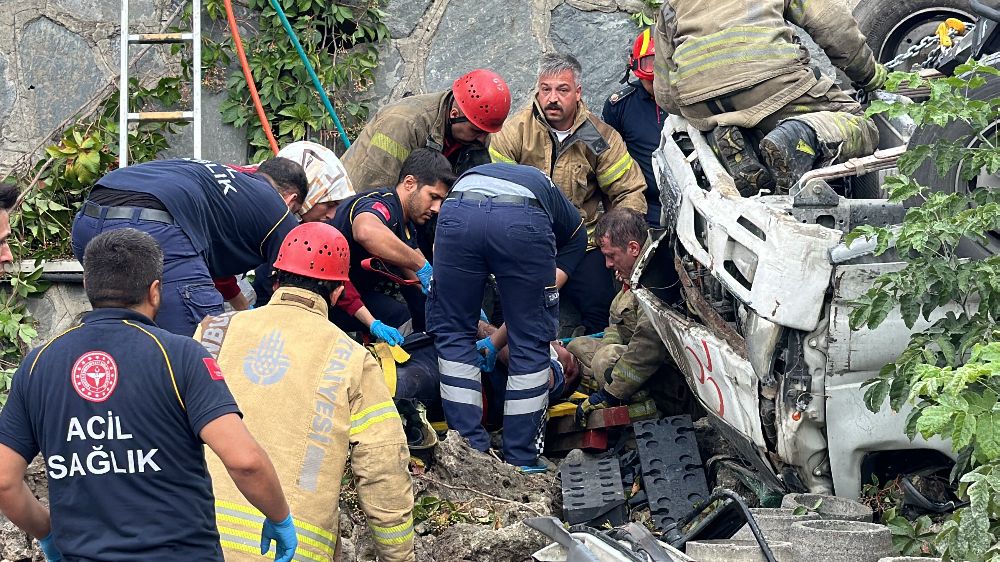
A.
x: 983, y: 180
x: 913, y: 28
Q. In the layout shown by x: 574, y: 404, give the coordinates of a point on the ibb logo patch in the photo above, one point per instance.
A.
x: 94, y: 376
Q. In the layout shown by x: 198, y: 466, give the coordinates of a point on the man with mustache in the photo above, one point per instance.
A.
x: 585, y: 158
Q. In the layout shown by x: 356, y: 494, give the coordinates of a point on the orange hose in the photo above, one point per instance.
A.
x: 249, y: 77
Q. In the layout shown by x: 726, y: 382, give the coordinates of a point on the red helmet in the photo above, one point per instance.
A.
x: 640, y: 62
x: 316, y: 250
x: 484, y: 98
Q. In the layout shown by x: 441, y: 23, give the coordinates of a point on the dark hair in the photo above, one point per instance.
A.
x: 621, y: 226
x: 8, y: 196
x: 321, y: 287
x: 119, y: 266
x: 429, y: 167
x: 287, y: 175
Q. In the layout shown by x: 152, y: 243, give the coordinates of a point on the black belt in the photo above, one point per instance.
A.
x: 515, y: 199
x: 155, y: 215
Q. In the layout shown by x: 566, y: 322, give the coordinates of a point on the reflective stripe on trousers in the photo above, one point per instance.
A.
x: 240, y: 525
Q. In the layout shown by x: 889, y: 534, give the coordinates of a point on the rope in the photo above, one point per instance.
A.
x: 238, y: 43
x: 311, y: 71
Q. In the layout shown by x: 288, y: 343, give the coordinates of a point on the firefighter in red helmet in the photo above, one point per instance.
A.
x: 455, y: 122
x: 633, y: 112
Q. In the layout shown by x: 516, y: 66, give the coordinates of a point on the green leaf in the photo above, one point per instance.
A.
x: 933, y: 420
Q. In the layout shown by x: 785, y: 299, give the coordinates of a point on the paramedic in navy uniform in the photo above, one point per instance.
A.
x: 210, y: 220
x: 120, y: 409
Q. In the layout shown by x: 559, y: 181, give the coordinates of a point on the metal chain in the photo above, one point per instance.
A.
x: 916, y: 48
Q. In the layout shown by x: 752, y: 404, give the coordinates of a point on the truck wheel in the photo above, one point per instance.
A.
x: 951, y: 182
x: 892, y: 26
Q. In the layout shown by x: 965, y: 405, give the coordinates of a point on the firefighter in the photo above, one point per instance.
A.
x: 383, y: 223
x: 734, y: 68
x: 585, y: 158
x: 119, y: 409
x: 617, y: 366
x: 511, y: 221
x: 455, y: 122
x: 212, y: 222
x: 287, y: 350
x: 633, y: 112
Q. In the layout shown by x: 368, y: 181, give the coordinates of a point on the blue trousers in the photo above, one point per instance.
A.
x: 515, y: 243
x: 188, y: 294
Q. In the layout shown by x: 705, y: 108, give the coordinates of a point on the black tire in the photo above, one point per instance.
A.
x: 891, y: 26
x: 951, y: 183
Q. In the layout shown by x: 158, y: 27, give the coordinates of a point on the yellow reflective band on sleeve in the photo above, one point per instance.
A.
x: 372, y: 415
x: 384, y: 142
x: 740, y: 34
x: 398, y: 534
x: 497, y: 156
x: 616, y: 171
x: 44, y: 347
x: 230, y: 515
x: 735, y: 56
x: 170, y: 368
x: 624, y: 370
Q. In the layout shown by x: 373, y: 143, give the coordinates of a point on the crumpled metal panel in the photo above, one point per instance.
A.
x: 723, y: 382
x: 780, y: 268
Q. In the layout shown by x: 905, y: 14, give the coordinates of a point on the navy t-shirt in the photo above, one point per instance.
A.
x: 115, y: 405
x: 634, y: 114
x: 384, y: 205
x: 236, y: 220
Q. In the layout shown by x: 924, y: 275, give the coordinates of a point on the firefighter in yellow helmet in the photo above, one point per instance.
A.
x: 287, y: 357
x: 734, y: 68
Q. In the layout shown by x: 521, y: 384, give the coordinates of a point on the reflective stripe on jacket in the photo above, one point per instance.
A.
x: 309, y: 394
x: 590, y: 166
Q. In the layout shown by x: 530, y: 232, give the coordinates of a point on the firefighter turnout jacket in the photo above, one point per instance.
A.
x: 629, y: 352
x: 309, y: 394
x: 375, y: 159
x: 590, y: 166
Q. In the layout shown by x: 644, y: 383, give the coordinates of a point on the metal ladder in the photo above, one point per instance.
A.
x: 124, y: 115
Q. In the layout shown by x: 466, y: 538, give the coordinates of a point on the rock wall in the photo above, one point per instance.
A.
x: 436, y: 41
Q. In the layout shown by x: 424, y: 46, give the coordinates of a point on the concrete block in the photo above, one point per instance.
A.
x: 830, y: 507
x: 775, y: 523
x: 599, y: 419
x: 733, y: 550
x: 836, y: 540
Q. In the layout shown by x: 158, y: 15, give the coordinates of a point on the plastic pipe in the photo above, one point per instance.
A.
x: 238, y: 43
x: 312, y: 73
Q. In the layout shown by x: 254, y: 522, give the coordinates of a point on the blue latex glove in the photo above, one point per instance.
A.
x: 388, y: 334
x: 489, y: 351
x: 424, y: 274
x: 48, y: 546
x: 284, y: 536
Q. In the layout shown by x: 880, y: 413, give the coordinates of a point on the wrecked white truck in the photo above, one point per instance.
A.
x: 762, y: 333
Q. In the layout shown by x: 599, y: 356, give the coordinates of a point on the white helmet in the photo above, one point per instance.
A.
x: 327, y: 176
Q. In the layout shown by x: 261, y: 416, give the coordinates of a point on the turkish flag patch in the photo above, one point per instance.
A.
x: 382, y: 210
x: 214, y: 370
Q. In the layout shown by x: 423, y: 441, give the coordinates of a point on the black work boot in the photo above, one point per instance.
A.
x: 741, y: 161
x: 790, y: 150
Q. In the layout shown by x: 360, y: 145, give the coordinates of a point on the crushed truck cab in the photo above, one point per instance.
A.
x: 762, y: 336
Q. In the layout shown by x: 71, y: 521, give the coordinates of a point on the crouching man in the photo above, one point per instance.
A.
x: 629, y: 363
x: 312, y: 394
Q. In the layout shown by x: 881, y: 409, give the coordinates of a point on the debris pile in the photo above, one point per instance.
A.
x: 469, y: 506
